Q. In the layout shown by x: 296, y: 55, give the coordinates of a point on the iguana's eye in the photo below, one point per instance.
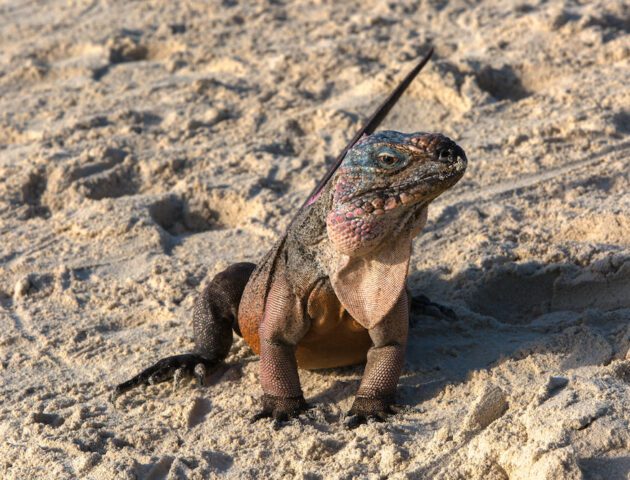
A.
x: 388, y: 161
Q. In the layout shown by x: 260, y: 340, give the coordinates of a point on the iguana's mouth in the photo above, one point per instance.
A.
x: 379, y: 200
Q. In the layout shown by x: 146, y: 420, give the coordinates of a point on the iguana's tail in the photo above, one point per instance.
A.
x: 215, y: 316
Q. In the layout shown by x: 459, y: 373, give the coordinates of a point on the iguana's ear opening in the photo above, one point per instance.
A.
x: 369, y: 286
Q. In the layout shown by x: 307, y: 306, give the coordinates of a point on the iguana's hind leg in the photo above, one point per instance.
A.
x: 215, y: 314
x: 214, y: 317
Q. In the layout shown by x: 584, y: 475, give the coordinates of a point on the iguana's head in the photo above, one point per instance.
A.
x: 384, y: 181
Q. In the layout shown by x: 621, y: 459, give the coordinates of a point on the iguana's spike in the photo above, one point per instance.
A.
x: 372, y: 124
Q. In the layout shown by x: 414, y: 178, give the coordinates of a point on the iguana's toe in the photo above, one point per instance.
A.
x: 178, y: 378
x: 200, y: 372
x: 280, y: 409
x: 365, y: 409
x: 422, y: 305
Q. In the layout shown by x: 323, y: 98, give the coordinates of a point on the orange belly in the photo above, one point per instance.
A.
x: 334, y: 338
x: 344, y: 342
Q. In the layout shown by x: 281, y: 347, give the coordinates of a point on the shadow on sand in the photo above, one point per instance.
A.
x: 508, y: 312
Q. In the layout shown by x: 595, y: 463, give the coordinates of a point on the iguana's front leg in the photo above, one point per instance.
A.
x: 283, y: 326
x: 385, y: 359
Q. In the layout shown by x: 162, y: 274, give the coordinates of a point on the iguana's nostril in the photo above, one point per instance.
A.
x: 445, y: 154
x: 449, y: 153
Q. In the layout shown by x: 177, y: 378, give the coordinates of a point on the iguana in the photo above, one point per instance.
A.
x: 331, y: 292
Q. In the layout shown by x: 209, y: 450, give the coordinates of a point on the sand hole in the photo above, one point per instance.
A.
x: 218, y: 461
x: 621, y: 121
x: 502, y: 83
x: 612, y: 25
x: 126, y: 48
x: 32, y: 190
x: 216, y: 209
x: 111, y: 183
x: 104, y: 172
x: 51, y: 419
x: 515, y: 295
x: 175, y: 215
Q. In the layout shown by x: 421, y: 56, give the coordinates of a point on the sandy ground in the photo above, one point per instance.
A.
x: 146, y: 145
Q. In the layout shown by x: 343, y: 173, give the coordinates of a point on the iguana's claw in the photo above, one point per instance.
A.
x: 200, y: 372
x: 280, y: 409
x: 423, y: 305
x: 364, y: 409
x: 178, y: 377
x: 176, y: 367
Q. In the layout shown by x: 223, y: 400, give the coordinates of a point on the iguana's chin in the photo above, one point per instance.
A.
x: 353, y: 234
x: 356, y: 233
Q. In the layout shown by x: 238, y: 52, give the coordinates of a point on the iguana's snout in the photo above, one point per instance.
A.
x: 443, y: 149
x: 439, y: 160
x: 384, y: 177
x: 439, y: 164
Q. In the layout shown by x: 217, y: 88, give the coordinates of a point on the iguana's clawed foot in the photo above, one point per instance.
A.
x: 176, y: 367
x: 423, y: 305
x: 364, y: 409
x: 281, y: 409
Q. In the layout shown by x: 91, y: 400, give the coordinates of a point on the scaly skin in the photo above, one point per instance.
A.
x: 331, y: 292
x: 336, y: 292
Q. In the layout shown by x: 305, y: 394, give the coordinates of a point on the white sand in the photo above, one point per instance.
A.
x: 146, y: 145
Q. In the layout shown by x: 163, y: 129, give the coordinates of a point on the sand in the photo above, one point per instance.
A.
x: 145, y: 146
